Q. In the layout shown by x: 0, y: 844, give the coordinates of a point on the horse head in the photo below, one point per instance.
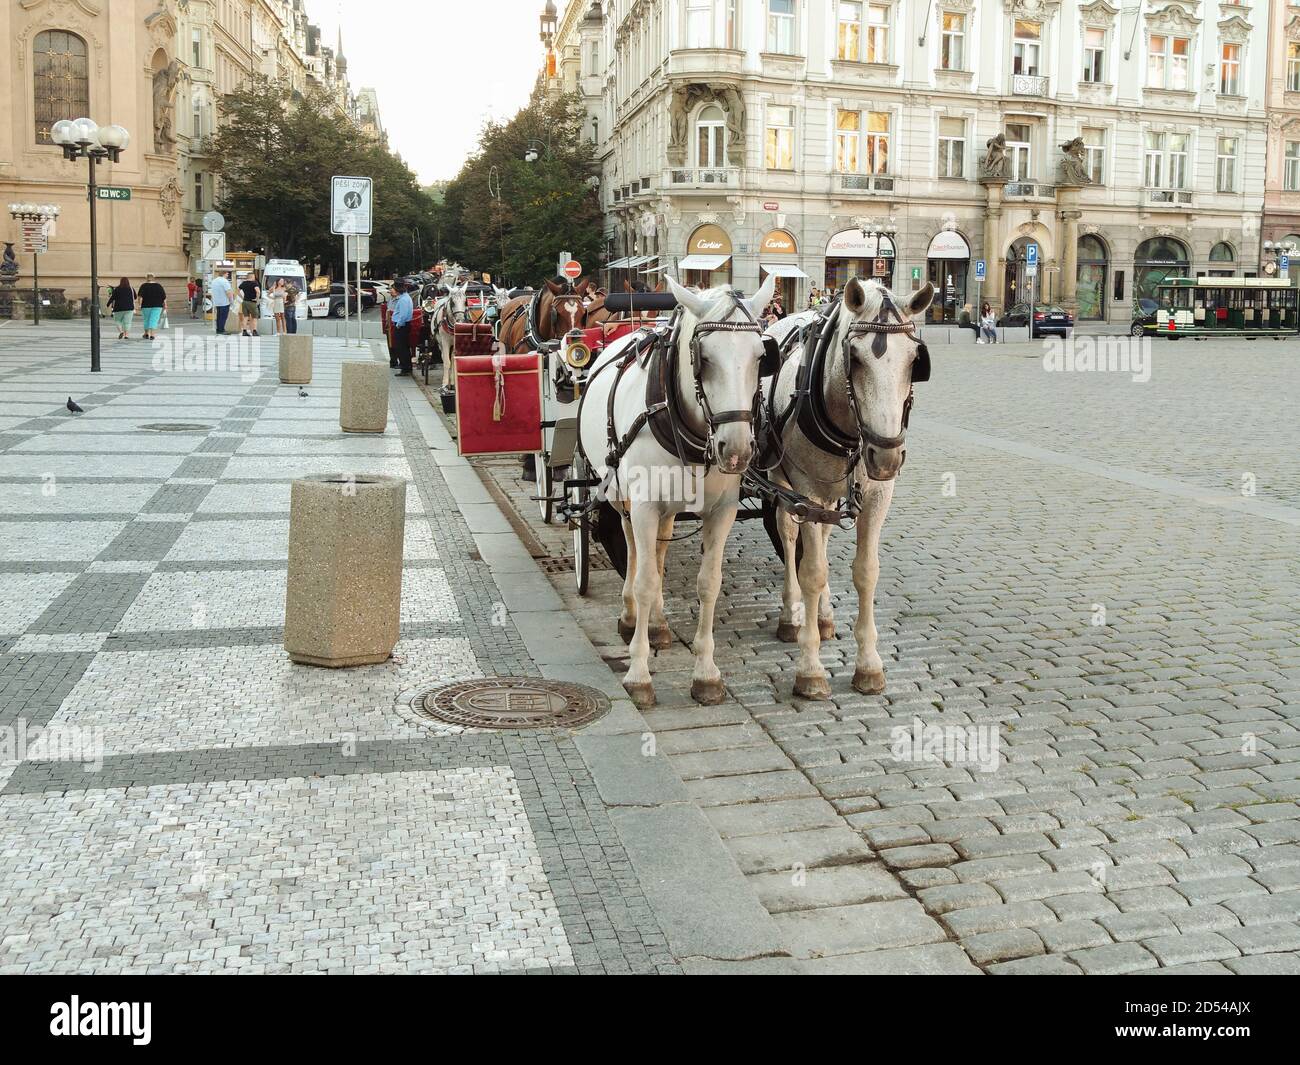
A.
x: 568, y: 311
x: 721, y: 350
x: 882, y: 356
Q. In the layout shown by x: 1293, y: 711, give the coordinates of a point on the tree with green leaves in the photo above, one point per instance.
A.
x: 276, y: 150
x: 510, y: 214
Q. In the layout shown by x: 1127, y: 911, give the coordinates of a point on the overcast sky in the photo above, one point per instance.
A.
x: 440, y: 67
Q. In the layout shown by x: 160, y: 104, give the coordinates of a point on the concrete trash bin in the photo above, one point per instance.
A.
x: 344, y: 592
x: 295, y: 359
x: 363, y: 402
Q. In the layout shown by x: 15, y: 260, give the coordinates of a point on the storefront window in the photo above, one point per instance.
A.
x: 1090, y: 284
x: 947, y: 266
x: 1157, y: 260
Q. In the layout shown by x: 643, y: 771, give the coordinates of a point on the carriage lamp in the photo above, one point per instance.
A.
x: 83, y: 138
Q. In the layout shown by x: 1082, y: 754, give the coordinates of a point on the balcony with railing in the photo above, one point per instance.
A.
x: 680, y: 179
x: 1029, y: 85
x: 1177, y: 198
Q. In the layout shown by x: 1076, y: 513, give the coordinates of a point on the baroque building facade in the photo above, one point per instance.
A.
x: 909, y: 139
x: 159, y: 68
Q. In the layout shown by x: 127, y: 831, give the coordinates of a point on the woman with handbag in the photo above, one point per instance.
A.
x: 121, y: 304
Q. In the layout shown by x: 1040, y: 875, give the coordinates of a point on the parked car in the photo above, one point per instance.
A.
x: 330, y: 305
x: 1144, y: 316
x: 378, y: 291
x: 1048, y: 320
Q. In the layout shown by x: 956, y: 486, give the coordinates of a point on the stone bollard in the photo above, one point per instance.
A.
x: 295, y: 359
x: 344, y: 589
x: 363, y: 402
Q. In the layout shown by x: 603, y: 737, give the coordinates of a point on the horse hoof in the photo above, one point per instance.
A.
x: 661, y: 637
x: 708, y: 692
x: 826, y: 628
x: 626, y: 631
x: 642, y: 694
x: 788, y: 632
x: 813, y: 687
x: 869, y: 681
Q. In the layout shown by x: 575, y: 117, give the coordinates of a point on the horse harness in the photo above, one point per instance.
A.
x: 534, y: 306
x: 658, y: 351
x: 808, y: 411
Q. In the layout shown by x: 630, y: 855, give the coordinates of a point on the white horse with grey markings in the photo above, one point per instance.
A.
x: 669, y: 428
x: 839, y: 410
x: 444, y: 314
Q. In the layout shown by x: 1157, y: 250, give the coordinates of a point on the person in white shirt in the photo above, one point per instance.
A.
x: 220, y: 291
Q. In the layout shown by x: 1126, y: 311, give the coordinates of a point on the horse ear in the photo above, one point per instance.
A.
x: 689, y: 298
x: 763, y: 297
x: 855, y: 296
x: 921, y: 299
x: 627, y: 286
x: 660, y: 287
x: 554, y: 288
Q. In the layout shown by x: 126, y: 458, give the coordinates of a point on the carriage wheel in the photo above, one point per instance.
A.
x: 579, y: 495
x: 545, y: 484
x: 774, y: 534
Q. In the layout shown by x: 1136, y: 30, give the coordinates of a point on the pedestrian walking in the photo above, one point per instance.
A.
x: 403, y: 311
x: 221, y: 294
x: 250, y: 293
x: 194, y: 293
x: 121, y: 302
x: 279, y: 291
x: 291, y: 308
x: 153, y: 302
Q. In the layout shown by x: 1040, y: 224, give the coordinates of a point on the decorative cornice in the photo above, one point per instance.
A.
x: 1235, y: 30
x: 1173, y: 17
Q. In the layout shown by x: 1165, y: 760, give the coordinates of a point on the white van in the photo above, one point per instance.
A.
x: 291, y: 271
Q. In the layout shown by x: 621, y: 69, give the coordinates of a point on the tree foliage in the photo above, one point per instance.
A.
x: 543, y: 207
x: 276, y: 150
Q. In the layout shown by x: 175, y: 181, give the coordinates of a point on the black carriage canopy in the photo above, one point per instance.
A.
x: 640, y: 301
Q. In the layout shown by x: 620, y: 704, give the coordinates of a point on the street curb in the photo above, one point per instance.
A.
x: 702, y: 900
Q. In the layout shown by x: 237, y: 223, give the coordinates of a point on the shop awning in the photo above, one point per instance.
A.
x: 783, y: 270
x: 702, y: 262
x: 618, y: 264
x: 656, y: 269
x: 639, y: 260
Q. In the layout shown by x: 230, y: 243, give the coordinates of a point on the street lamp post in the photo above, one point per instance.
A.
x: 870, y: 228
x: 42, y: 213
x: 83, y: 139
x: 549, y: 20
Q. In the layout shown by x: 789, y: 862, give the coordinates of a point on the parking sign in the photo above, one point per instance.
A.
x: 1031, y: 254
x: 1284, y: 263
x: 980, y: 270
x: 351, y: 202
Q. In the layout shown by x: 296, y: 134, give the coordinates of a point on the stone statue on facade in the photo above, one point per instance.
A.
x: 995, y: 164
x: 164, y: 89
x: 735, y: 105
x: 1073, y: 167
x: 685, y: 99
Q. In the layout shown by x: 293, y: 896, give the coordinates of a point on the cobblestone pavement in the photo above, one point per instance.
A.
x: 249, y: 814
x: 1071, y: 560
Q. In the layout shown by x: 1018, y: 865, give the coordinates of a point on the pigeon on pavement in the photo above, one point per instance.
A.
x: 302, y: 393
x: 73, y: 408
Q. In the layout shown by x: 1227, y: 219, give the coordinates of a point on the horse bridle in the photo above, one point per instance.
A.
x: 712, y: 419
x: 880, y: 330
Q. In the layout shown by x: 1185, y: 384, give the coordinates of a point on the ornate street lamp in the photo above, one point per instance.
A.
x: 549, y: 20
x: 41, y: 214
x: 887, y: 228
x: 83, y: 139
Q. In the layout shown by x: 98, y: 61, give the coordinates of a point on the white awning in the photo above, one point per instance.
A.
x: 640, y: 260
x: 783, y: 270
x: 702, y: 262
x: 618, y: 264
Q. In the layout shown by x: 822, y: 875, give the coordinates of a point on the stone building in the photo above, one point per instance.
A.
x: 70, y: 59
x: 818, y: 139
x: 1282, y: 178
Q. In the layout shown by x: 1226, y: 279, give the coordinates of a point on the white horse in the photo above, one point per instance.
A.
x: 865, y: 388
x: 713, y: 377
x: 447, y: 311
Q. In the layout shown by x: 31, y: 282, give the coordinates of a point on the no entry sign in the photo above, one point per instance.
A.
x: 573, y: 269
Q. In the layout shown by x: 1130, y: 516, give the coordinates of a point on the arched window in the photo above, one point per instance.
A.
x: 1222, y: 253
x: 710, y: 138
x: 61, y: 80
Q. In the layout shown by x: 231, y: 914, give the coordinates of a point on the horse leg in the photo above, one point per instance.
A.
x: 627, y: 620
x: 787, y: 629
x: 661, y: 636
x: 826, y: 612
x: 645, y: 587
x: 869, y: 672
x: 706, y: 682
x: 447, y: 346
x: 810, y: 679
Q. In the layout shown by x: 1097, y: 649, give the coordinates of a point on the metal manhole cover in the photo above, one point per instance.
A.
x: 176, y: 427
x: 512, y: 702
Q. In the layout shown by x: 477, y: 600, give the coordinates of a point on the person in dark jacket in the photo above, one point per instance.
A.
x: 153, y: 302
x: 965, y: 321
x: 121, y: 302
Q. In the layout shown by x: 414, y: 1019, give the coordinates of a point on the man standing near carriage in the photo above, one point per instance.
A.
x: 400, y: 323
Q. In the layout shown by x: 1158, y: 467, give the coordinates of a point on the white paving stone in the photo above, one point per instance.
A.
x: 271, y: 499
x: 188, y: 869
x: 140, y: 467
x: 268, y: 541
x: 24, y: 597
x: 280, y: 469
x: 46, y: 541
x: 73, y: 498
